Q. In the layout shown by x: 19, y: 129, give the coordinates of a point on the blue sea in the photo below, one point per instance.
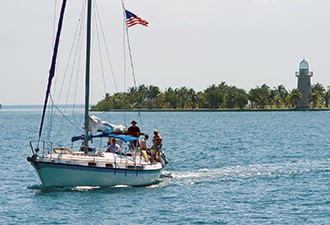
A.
x: 227, y: 167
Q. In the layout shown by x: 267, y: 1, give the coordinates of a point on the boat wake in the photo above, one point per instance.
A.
x: 76, y: 188
x: 40, y: 187
x: 47, y: 188
x: 252, y: 171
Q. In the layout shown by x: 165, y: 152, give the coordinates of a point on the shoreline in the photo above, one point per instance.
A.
x: 214, y: 110
x: 80, y: 107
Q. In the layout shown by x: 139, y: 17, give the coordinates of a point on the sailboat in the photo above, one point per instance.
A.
x: 89, y: 165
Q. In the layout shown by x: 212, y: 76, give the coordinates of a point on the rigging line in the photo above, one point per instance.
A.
x: 99, y: 46
x: 51, y: 110
x: 77, y: 44
x: 51, y: 119
x: 106, y: 48
x: 98, y: 25
x: 130, y: 55
x: 77, y: 58
x: 60, y: 111
x: 77, y: 78
x: 73, y: 45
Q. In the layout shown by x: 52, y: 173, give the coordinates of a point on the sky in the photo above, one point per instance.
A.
x: 191, y: 43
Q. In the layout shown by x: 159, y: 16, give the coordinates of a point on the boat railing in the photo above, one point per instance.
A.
x: 41, y: 148
x: 131, y: 156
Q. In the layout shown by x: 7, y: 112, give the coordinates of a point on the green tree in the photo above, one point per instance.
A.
x: 241, y: 98
x: 326, y: 97
x: 278, y: 96
x: 172, y: 98
x: 192, y: 96
x: 214, y: 96
x: 120, y: 101
x: 294, y: 97
x: 235, y: 97
x: 259, y: 96
x: 152, y: 92
x: 282, y: 93
x: 201, y: 100
x: 183, y: 95
x: 160, y: 102
x: 316, y: 95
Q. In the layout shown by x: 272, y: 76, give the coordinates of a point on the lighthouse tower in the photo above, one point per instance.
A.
x: 304, y: 85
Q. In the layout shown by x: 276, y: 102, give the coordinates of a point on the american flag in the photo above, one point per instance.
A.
x: 132, y: 19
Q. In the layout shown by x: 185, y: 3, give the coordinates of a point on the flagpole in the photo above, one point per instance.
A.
x: 124, y: 54
x: 129, y: 45
x: 145, y: 23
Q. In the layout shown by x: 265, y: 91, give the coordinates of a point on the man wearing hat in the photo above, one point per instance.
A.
x: 134, y: 131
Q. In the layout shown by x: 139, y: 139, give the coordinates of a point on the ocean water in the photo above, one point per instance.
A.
x: 227, y: 167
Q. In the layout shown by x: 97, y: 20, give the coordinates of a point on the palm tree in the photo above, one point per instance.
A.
x: 183, y: 95
x: 152, y: 92
x: 241, y: 98
x: 280, y: 94
x: 316, y: 94
x: 192, y: 98
x: 201, y: 100
x: 160, y: 101
x: 214, y: 96
x: 172, y: 98
x: 259, y: 96
x: 326, y: 97
x: 294, y: 97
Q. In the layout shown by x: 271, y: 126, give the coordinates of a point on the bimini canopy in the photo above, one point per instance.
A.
x: 125, y: 138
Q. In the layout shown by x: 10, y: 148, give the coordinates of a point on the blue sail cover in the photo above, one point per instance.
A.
x: 125, y: 138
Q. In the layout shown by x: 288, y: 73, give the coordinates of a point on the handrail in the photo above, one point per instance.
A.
x: 46, y: 147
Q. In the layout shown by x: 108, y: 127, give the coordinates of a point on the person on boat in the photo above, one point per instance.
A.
x: 157, y: 141
x: 143, y: 142
x: 113, y: 147
x: 135, y: 132
x: 144, y: 148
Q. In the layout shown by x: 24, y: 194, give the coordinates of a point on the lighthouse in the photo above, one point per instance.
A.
x: 304, y: 85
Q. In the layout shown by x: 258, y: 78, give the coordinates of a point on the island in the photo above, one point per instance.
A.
x: 215, y: 97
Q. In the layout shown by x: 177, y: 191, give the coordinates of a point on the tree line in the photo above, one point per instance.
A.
x: 216, y: 96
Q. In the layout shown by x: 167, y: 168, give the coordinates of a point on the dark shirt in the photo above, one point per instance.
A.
x: 134, y: 131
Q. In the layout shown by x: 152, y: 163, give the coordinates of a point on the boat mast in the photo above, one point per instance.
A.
x: 88, y: 53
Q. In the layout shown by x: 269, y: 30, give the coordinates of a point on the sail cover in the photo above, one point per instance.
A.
x: 123, y: 137
x: 98, y: 125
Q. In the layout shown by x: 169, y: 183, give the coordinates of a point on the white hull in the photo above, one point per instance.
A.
x: 54, y: 174
x: 92, y: 170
